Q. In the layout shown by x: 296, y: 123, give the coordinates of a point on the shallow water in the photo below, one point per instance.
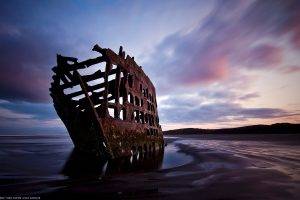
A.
x: 208, y: 166
x: 271, y: 154
x: 28, y: 159
x: 262, y: 166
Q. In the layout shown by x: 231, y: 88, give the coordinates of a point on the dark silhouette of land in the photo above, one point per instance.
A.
x: 279, y: 128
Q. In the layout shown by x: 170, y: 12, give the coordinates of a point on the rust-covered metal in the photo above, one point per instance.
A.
x: 107, y: 104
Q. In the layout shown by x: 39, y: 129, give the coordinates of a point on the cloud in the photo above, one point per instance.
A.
x: 8, y: 114
x: 274, y: 18
x: 290, y: 69
x: 173, y: 111
x: 20, y: 116
x: 235, y: 35
x: 249, y: 96
x: 25, y: 63
x: 263, y: 56
x: 7, y: 29
x: 203, y: 96
x: 31, y: 126
x: 264, y: 113
x: 216, y: 94
x: 41, y: 111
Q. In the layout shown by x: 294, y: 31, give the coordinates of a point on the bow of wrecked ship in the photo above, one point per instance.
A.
x: 107, y: 104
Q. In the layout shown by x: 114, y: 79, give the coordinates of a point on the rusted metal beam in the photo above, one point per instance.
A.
x: 86, y: 111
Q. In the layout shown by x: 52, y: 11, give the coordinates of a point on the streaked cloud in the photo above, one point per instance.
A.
x: 187, y: 111
x: 290, y: 69
x: 235, y: 35
x: 24, y: 116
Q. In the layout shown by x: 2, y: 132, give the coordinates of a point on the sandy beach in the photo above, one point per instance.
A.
x: 192, y: 167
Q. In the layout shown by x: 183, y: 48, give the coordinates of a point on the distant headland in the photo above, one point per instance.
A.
x: 279, y: 128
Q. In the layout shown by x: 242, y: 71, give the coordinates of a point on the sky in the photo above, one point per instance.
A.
x: 214, y: 64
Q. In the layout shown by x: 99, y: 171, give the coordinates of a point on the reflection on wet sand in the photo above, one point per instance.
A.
x: 80, y: 165
x: 208, y: 167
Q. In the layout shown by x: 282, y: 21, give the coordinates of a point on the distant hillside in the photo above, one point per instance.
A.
x: 280, y: 128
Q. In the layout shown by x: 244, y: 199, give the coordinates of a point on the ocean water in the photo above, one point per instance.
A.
x: 215, y: 166
x: 27, y: 162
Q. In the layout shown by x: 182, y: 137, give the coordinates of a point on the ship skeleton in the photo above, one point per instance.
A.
x: 108, y: 104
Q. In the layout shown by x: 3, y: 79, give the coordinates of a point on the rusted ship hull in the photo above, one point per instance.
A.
x: 107, y: 104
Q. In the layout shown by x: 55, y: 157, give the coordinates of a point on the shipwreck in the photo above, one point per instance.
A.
x: 108, y: 104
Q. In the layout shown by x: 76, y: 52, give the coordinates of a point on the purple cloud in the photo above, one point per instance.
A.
x: 29, y: 117
x: 27, y: 56
x: 249, y: 96
x: 175, y: 112
x: 228, y: 39
x: 263, y: 56
x: 290, y: 69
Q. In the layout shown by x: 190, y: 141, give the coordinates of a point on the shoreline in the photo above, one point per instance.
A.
x: 205, y: 166
x: 211, y: 174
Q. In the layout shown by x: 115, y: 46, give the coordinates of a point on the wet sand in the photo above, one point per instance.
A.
x: 192, y: 167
